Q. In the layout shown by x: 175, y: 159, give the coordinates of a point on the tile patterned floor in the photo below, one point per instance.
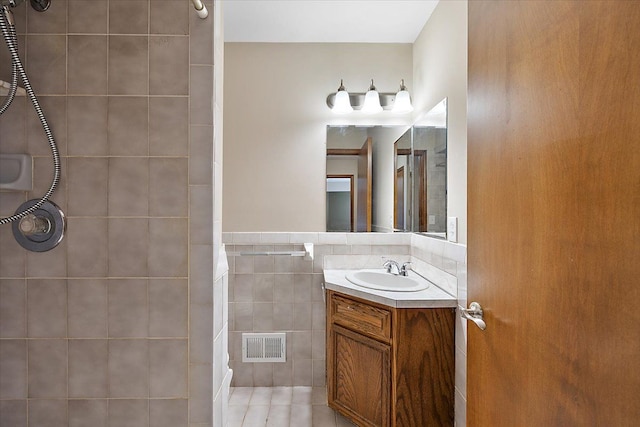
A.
x: 282, y: 407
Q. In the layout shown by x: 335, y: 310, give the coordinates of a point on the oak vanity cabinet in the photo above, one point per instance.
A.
x: 390, y: 367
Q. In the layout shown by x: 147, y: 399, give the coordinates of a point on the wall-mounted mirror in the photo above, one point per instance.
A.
x: 388, y: 178
x: 430, y: 172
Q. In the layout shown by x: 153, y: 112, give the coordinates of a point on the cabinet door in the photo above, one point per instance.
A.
x: 359, y: 371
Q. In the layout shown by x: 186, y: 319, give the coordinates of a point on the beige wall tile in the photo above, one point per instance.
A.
x: 13, y: 308
x: 242, y: 286
x: 48, y: 368
x: 168, y: 308
x: 243, y: 316
x: 128, y: 413
x: 262, y: 316
x: 168, y: 412
x: 51, y: 263
x: 87, y: 65
x: 201, y: 149
x: 47, y: 308
x: 168, y: 126
x: 13, y: 122
x: 301, y: 345
x: 128, y: 247
x: 128, y: 63
x: 168, y: 187
x: 263, y: 375
x: 201, y: 334
x: 87, y: 17
x: 128, y: 126
x: 282, y: 316
x: 263, y: 287
x: 87, y: 125
x: 302, y: 373
x: 46, y: 412
x: 201, y: 87
x: 87, y: 240
x: 46, y: 63
x: 168, y: 65
x: 170, y: 17
x: 9, y: 201
x: 200, y: 260
x: 88, y: 368
x: 13, y: 369
x: 128, y: 16
x: 87, y: 186
x: 168, y: 362
x: 301, y: 287
x: 128, y: 308
x: 83, y: 413
x: 201, y: 224
x: 13, y: 259
x: 201, y: 49
x: 128, y: 369
x: 13, y: 413
x: 168, y: 251
x: 302, y: 316
x: 87, y: 312
x: 128, y: 186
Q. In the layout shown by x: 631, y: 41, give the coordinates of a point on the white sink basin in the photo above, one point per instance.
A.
x: 383, y: 281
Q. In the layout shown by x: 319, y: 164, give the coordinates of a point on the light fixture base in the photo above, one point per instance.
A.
x: 357, y: 100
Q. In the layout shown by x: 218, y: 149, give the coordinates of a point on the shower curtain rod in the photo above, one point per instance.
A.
x: 200, y: 8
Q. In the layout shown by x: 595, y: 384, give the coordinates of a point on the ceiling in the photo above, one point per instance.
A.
x: 325, y: 21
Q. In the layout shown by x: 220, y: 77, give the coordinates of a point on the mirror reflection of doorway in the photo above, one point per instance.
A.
x: 340, y: 203
x: 398, y: 212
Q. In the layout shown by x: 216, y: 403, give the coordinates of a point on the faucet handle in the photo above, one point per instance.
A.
x: 406, y: 266
x: 389, y: 264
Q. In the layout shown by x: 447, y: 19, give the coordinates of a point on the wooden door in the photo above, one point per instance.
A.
x: 365, y: 186
x: 554, y: 213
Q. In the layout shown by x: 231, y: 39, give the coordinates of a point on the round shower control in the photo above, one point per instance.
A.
x: 42, y: 230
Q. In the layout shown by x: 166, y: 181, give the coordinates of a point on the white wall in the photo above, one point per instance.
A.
x: 439, y: 71
x: 275, y: 125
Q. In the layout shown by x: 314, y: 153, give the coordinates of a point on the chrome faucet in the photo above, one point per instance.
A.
x: 392, y: 265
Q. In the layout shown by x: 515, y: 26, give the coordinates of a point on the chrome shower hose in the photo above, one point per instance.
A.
x: 10, y: 37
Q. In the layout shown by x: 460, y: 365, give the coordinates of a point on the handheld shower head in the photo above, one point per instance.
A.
x: 39, y: 5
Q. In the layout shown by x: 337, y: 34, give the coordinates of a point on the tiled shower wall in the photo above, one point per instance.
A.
x: 115, y: 326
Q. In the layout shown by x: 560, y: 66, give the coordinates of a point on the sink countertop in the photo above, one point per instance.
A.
x: 432, y: 297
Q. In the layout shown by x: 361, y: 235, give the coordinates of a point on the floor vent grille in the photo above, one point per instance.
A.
x: 271, y: 347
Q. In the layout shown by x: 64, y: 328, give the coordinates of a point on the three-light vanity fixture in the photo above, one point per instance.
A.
x: 371, y: 102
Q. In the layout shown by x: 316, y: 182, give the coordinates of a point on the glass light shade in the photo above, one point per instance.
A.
x: 342, y: 104
x: 371, y: 102
x: 402, y: 103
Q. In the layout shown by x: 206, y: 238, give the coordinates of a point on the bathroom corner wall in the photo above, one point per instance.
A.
x: 440, y: 71
x: 115, y: 327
